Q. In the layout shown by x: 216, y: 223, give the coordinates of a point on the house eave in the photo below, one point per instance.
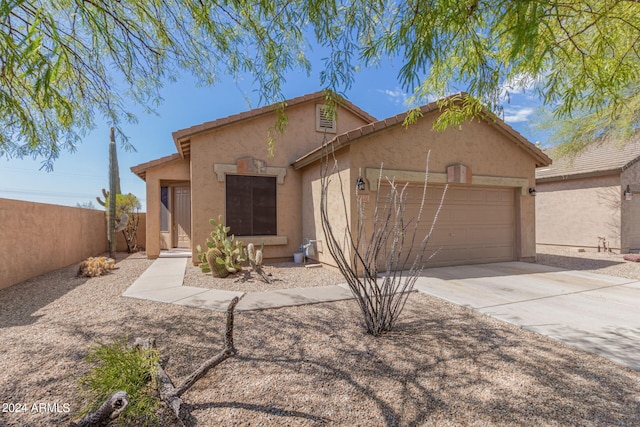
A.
x: 342, y: 140
x: 579, y: 175
x: 182, y: 138
x: 141, y: 169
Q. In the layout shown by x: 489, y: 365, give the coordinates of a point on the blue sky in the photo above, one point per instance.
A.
x: 79, y: 177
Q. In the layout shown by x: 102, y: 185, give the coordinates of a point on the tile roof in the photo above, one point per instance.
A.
x: 141, y: 169
x: 347, y: 138
x: 182, y: 137
x: 599, y: 158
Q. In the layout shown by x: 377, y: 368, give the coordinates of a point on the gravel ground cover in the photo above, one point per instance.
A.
x: 283, y: 275
x: 312, y: 365
x: 596, y: 262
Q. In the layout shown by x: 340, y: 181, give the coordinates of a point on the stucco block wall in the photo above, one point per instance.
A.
x: 575, y: 212
x: 479, y: 145
x: 227, y: 144
x: 37, y: 238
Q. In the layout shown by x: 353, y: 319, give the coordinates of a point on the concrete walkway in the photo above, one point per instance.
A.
x: 162, y: 281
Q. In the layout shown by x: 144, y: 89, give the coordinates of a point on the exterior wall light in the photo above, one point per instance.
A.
x: 360, y: 184
x: 532, y: 191
x: 628, y: 194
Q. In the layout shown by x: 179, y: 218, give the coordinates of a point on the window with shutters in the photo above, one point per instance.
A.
x: 251, y: 205
x: 324, y: 120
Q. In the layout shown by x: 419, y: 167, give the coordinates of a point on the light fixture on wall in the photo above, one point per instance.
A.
x: 532, y: 191
x: 628, y: 194
x: 360, y: 184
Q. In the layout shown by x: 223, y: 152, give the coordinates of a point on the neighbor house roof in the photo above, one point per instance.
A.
x: 182, y: 138
x: 141, y: 169
x: 599, y: 158
x: 347, y: 138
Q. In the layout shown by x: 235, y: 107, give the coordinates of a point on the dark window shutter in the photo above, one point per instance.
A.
x: 251, y: 205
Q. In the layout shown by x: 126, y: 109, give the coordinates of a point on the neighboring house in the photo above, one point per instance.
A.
x: 222, y: 168
x: 581, y: 202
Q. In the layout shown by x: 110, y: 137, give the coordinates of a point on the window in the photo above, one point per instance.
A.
x: 251, y: 205
x: 324, y: 121
x: 164, y: 209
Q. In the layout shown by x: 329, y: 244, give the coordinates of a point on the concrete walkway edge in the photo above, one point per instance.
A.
x: 162, y: 282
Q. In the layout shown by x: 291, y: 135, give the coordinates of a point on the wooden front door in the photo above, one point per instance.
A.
x: 182, y: 217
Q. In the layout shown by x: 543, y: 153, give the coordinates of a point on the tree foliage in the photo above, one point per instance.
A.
x: 129, y: 205
x: 66, y: 64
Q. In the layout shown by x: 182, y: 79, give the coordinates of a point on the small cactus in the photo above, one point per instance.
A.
x: 254, y: 256
x: 96, y: 266
x: 216, y: 262
x: 255, y: 260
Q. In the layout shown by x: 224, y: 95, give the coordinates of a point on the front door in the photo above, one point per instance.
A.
x: 182, y: 217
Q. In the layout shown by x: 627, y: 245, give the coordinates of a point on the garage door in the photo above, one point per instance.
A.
x: 634, y: 223
x: 476, y: 224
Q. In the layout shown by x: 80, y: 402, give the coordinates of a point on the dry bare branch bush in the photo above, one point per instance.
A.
x: 390, y: 243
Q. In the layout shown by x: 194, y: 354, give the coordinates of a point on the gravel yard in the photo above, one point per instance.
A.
x: 592, y: 261
x: 283, y: 275
x: 312, y: 365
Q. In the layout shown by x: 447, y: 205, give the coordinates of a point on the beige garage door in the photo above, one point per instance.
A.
x: 634, y: 223
x: 476, y: 224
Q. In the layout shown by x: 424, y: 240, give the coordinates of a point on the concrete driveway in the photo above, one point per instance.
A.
x: 596, y: 313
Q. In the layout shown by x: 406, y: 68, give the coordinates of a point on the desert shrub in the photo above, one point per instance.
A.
x: 116, y: 367
x: 96, y: 266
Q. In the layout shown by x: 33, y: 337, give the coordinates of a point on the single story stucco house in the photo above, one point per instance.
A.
x: 223, y: 168
x: 581, y: 200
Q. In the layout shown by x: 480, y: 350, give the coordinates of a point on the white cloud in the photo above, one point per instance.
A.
x: 517, y: 114
x: 397, y: 95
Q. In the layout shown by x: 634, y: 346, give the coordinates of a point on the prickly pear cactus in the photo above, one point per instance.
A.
x: 231, y: 250
x: 216, y: 261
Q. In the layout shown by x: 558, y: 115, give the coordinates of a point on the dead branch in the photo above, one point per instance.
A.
x: 263, y: 275
x: 109, y: 410
x: 171, y: 394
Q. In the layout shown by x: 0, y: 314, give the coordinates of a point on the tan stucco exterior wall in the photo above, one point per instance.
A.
x: 165, y: 174
x: 225, y: 145
x: 575, y: 212
x: 339, y: 212
x: 36, y: 238
x: 479, y: 145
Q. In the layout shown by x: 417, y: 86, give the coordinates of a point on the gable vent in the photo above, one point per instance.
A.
x: 324, y: 121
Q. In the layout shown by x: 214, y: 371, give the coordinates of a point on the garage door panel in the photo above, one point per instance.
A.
x: 488, y: 235
x: 467, y: 255
x: 475, y: 225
